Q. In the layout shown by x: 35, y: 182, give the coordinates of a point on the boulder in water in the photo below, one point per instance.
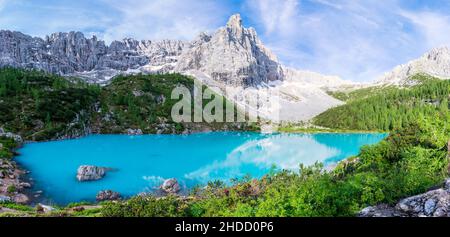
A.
x: 90, y: 173
x: 170, y: 186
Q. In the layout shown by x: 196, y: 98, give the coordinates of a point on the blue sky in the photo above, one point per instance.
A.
x: 355, y: 39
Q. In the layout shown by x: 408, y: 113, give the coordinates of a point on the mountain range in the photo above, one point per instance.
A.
x: 233, y: 57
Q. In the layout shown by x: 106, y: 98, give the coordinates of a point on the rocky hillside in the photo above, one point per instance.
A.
x: 435, y: 63
x: 233, y: 56
x: 11, y: 187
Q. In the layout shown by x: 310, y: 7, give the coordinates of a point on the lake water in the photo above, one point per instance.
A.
x: 143, y: 162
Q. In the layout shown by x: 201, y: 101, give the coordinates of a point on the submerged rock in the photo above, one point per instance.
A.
x: 90, y: 173
x: 107, y: 195
x: 170, y: 186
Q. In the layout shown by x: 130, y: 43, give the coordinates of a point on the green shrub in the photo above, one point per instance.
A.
x: 11, y: 189
x: 147, y: 206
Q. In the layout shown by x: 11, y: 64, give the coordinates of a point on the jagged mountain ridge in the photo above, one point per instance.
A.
x: 232, y: 56
x: 73, y: 54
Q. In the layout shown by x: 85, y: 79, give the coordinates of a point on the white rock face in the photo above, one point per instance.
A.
x: 435, y: 63
x: 233, y: 57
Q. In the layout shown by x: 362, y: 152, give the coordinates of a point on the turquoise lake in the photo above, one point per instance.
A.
x: 141, y: 163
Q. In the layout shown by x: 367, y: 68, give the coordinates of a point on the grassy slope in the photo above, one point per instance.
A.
x: 349, y: 95
x: 352, y: 95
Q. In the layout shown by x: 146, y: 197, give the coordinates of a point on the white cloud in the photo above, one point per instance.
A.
x: 115, y: 20
x: 2, y: 4
x: 434, y: 27
x: 357, y: 40
x: 330, y: 4
x: 40, y: 19
x: 160, y: 19
x: 277, y: 14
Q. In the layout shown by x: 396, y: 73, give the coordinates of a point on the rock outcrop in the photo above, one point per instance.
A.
x: 170, y: 186
x: 435, y: 203
x: 107, y: 195
x: 435, y: 63
x: 4, y: 198
x: 90, y: 173
x: 41, y: 208
x: 134, y: 131
x: 16, y: 137
x: 11, y: 186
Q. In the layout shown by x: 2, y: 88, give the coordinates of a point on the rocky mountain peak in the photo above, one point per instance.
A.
x: 233, y: 55
x: 238, y: 33
x: 235, y: 21
x: 435, y: 63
